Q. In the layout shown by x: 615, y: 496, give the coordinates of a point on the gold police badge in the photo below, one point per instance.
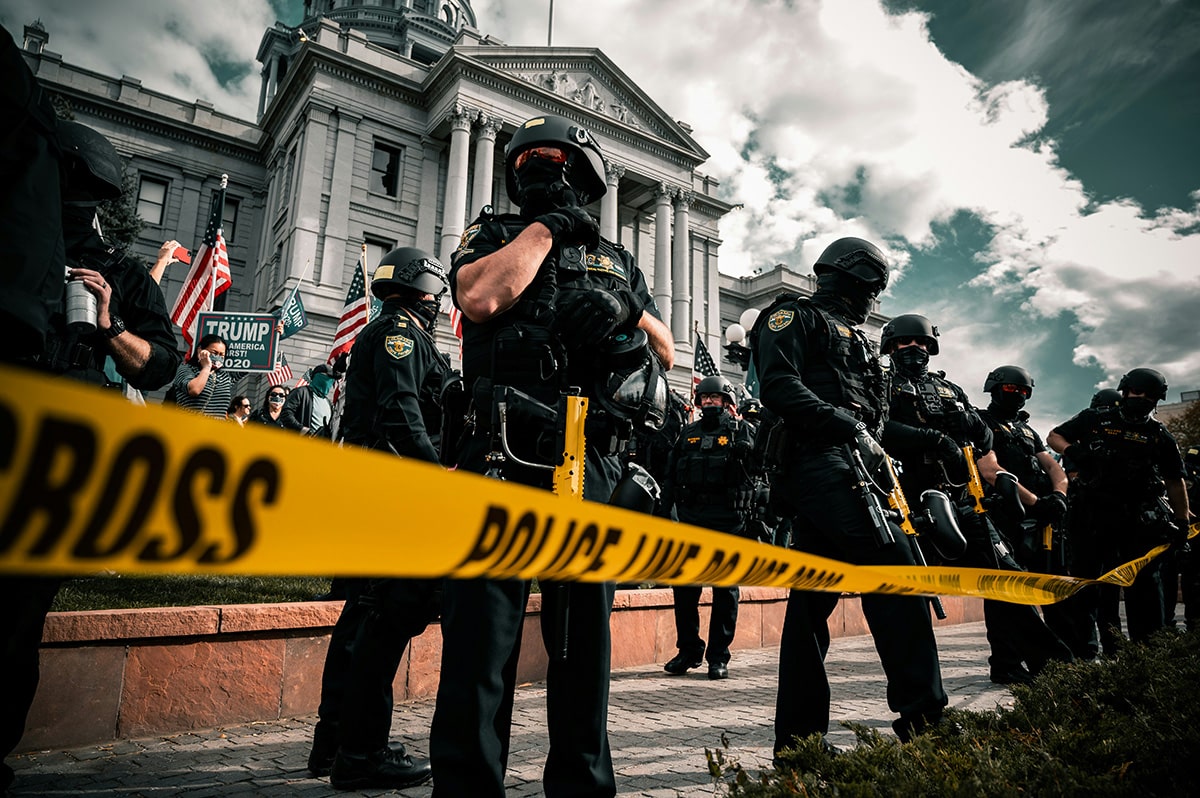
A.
x: 398, y: 346
x: 780, y: 319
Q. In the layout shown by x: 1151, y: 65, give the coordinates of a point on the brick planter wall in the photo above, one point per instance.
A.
x: 116, y: 674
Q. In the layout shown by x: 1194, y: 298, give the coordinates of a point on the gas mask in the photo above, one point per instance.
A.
x: 1006, y: 403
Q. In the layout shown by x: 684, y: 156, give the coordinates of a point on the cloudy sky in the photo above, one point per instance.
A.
x: 1031, y: 165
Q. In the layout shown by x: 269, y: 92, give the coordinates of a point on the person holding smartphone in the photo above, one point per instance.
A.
x: 199, y: 383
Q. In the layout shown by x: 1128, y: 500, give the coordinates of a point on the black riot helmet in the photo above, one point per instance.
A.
x: 94, y: 170
x: 1008, y: 375
x: 1106, y: 397
x: 583, y: 171
x: 409, y: 267
x: 1150, y: 382
x: 910, y: 325
x: 856, y: 257
x: 720, y: 385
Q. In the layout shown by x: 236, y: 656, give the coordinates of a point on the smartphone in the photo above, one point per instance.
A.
x: 181, y: 254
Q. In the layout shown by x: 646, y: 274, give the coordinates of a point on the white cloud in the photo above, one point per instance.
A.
x: 839, y: 96
x: 166, y: 45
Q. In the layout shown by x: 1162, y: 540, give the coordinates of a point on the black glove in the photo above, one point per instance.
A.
x: 1081, y: 456
x: 1050, y: 508
x: 590, y: 315
x: 571, y: 225
x: 947, y: 450
x: 843, y: 427
x: 743, y: 499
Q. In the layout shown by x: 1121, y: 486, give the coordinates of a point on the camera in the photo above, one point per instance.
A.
x: 81, y: 308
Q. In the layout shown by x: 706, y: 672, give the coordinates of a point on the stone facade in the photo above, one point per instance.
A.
x: 386, y: 126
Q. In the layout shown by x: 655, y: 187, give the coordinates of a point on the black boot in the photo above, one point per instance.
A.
x: 387, y: 769
x: 683, y: 662
x: 324, y: 748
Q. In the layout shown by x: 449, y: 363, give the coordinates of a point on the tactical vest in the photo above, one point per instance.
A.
x: 1016, y: 450
x: 707, y: 470
x: 1126, y: 449
x: 849, y: 375
x: 933, y: 402
x: 525, y: 349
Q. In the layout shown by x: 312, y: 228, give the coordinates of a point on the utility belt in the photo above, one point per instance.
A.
x: 777, y: 444
x: 533, y: 427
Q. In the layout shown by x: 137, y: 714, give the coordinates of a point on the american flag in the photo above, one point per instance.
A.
x: 354, y: 314
x: 209, y: 276
x: 281, y: 375
x: 703, y: 364
x: 456, y: 326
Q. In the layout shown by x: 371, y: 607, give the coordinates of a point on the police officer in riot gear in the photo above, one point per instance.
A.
x: 931, y: 421
x: 710, y: 484
x: 1038, y: 532
x: 1132, y: 495
x: 393, y: 387
x: 1105, y: 397
x: 127, y: 325
x: 821, y: 377
x: 547, y: 305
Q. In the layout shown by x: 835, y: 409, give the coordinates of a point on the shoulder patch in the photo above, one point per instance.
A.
x: 465, y: 240
x: 843, y: 331
x: 780, y: 319
x: 398, y: 346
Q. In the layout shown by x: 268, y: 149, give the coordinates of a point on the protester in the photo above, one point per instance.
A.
x: 200, y: 385
x: 239, y: 409
x: 308, y: 409
x: 272, y: 407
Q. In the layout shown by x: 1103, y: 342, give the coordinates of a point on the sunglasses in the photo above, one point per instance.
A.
x: 1021, y: 389
x: 552, y: 154
x: 276, y: 395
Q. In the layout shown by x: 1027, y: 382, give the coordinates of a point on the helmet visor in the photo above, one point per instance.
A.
x: 552, y: 154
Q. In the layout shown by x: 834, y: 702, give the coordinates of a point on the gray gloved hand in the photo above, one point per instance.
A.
x: 571, y: 225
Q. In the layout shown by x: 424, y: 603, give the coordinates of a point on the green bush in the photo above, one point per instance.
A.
x: 1121, y: 727
x: 126, y: 592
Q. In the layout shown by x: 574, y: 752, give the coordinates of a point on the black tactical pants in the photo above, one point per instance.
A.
x: 721, y: 624
x: 482, y: 622
x: 830, y: 520
x: 26, y: 601
x: 393, y: 611
x: 1015, y: 632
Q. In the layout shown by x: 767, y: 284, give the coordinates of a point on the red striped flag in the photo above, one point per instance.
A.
x: 354, y: 314
x: 281, y: 375
x: 456, y: 326
x: 209, y: 276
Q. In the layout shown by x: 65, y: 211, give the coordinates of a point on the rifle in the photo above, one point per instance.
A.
x: 870, y: 490
x: 974, y: 481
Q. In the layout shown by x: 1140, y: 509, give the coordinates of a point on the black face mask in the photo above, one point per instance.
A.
x: 77, y: 220
x: 1006, y: 404
x: 710, y: 417
x: 427, y: 310
x: 849, y: 296
x: 911, y: 360
x: 543, y: 187
x: 1136, y: 408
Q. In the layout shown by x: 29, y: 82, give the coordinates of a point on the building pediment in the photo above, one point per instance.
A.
x: 586, y: 77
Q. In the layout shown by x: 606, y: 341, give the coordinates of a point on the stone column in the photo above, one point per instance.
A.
x: 337, y: 218
x: 485, y: 158
x: 431, y: 167
x: 662, y: 250
x: 307, y: 197
x: 681, y: 300
x: 610, y: 201
x: 455, y: 209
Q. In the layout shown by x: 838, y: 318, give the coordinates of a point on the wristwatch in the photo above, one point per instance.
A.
x: 116, y: 326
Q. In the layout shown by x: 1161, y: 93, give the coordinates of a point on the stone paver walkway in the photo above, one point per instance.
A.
x: 659, y: 726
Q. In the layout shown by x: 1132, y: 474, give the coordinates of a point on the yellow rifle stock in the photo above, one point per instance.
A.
x: 974, y: 482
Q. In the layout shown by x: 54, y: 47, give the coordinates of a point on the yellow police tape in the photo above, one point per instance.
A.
x: 90, y: 483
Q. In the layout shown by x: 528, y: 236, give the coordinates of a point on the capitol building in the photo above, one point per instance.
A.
x: 384, y: 122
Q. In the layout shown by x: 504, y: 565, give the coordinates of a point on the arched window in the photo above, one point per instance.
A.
x: 447, y: 14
